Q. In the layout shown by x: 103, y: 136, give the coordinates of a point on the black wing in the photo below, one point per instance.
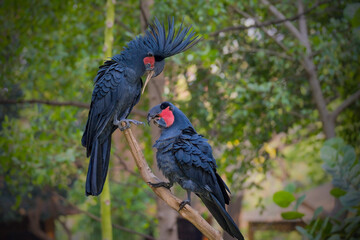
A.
x: 194, y: 156
x: 112, y: 95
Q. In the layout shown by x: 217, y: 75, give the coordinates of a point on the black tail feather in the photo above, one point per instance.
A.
x: 221, y: 216
x: 98, y: 167
x: 223, y: 188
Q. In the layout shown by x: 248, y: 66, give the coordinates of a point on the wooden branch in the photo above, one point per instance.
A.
x: 269, y: 23
x: 266, y: 31
x: 34, y: 220
x: 144, y: 14
x: 187, y: 212
x: 302, y: 19
x: 287, y: 24
x: 269, y: 52
x: 60, y: 104
x: 66, y: 229
x: 47, y: 102
x: 347, y: 102
x: 308, y: 63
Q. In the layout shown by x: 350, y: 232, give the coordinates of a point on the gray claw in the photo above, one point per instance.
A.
x: 161, y: 184
x: 128, y: 123
x: 183, y: 203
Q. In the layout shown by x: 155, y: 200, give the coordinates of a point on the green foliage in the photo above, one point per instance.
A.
x: 277, y: 235
x: 337, y: 192
x: 239, y: 88
x: 43, y: 163
x: 291, y: 215
x: 283, y: 198
x: 299, y: 201
x: 341, y: 163
x: 246, y: 86
x: 51, y: 51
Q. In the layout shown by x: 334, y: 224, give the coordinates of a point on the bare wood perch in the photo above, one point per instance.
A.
x: 187, y: 212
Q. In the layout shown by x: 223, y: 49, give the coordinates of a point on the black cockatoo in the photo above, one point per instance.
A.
x: 117, y: 89
x: 185, y: 157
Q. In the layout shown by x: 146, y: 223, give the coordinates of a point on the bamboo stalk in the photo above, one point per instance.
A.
x: 187, y: 212
x: 105, y: 201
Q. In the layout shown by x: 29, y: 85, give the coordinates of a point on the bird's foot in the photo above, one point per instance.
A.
x: 183, y: 203
x: 127, y: 122
x: 161, y: 184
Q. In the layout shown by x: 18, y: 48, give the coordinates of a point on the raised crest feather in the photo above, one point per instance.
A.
x: 173, y: 43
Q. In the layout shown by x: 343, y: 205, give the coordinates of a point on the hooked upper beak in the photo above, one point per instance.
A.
x: 149, y: 76
x: 148, y: 67
x: 154, y: 115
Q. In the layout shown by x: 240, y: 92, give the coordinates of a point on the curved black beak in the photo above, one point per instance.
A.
x: 154, y: 115
x: 148, y: 67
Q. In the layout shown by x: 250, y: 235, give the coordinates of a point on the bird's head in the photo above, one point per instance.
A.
x: 166, y: 116
x: 162, y: 115
x: 159, y: 45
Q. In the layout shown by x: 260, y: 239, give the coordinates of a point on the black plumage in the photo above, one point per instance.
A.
x: 185, y: 157
x: 117, y: 90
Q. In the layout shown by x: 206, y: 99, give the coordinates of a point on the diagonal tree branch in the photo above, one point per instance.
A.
x: 303, y: 27
x: 308, y: 64
x: 66, y: 229
x: 347, y: 102
x: 257, y: 21
x: 287, y: 23
x: 46, y: 102
x: 57, y: 103
x: 187, y: 212
x: 268, y: 23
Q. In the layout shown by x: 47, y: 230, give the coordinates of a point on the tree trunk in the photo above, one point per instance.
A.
x: 165, y: 215
x: 105, y: 202
x: 301, y: 34
x: 325, y: 117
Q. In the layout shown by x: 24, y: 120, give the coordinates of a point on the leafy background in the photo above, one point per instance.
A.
x: 245, y: 92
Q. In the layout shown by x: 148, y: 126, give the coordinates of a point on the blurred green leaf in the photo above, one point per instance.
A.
x: 317, y: 212
x: 351, y: 198
x: 299, y: 201
x: 337, y: 192
x: 355, y: 21
x: 329, y: 155
x: 351, y: 9
x: 291, y: 187
x: 291, y: 215
x: 303, y: 232
x: 283, y: 198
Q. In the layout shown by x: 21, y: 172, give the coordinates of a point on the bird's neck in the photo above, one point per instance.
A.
x: 181, y: 122
x: 131, y: 58
x: 167, y: 133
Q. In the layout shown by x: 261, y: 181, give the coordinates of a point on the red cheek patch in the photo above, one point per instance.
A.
x: 168, y: 116
x: 150, y: 60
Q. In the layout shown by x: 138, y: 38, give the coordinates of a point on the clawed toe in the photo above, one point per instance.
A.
x: 161, y: 184
x: 127, y: 122
x: 183, y: 203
